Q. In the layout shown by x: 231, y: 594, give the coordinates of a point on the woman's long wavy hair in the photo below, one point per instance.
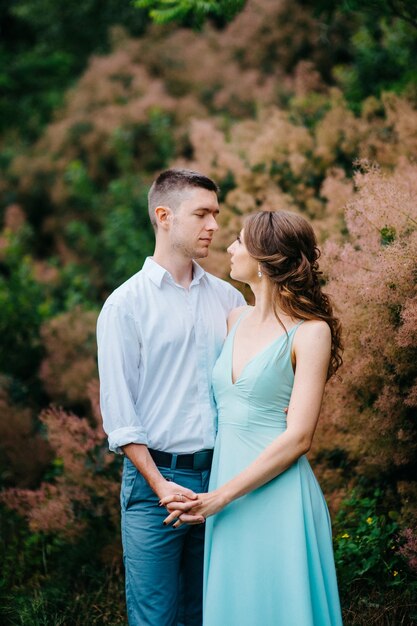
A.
x: 285, y: 246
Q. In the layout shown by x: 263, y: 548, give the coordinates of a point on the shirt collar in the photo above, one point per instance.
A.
x: 198, y: 272
x: 157, y: 273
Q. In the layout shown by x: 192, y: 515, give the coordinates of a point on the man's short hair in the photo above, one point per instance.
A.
x: 167, y: 189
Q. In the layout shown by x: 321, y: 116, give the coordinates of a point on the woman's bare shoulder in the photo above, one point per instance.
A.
x: 312, y: 334
x: 315, y: 326
x: 234, y: 316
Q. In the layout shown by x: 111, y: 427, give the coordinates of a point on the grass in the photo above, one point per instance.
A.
x: 53, y: 583
x: 393, y: 608
x: 60, y: 603
x: 101, y: 603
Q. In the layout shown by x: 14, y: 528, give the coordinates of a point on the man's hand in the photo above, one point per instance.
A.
x: 177, y: 492
x: 174, y: 494
x: 182, y: 511
x: 207, y: 504
x: 164, y: 489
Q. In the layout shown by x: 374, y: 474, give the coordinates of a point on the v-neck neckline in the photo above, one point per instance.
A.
x: 255, y: 356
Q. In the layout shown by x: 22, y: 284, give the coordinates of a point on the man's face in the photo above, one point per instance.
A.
x: 194, y: 223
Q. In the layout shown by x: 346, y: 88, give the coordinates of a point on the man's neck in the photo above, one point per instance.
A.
x: 181, y: 269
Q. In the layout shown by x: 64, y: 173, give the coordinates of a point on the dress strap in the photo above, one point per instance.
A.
x: 239, y: 319
x: 291, y: 335
x: 292, y: 331
x: 296, y: 326
x: 286, y: 346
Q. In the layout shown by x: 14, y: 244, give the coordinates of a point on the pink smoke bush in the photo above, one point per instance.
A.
x: 370, y: 411
x: 69, y: 365
x: 82, y: 486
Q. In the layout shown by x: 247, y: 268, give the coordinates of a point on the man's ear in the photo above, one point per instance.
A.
x: 163, y: 216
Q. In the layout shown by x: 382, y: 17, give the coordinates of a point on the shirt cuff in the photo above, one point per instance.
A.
x: 123, y: 436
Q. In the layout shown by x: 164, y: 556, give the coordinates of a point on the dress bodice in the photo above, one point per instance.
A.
x: 262, y: 391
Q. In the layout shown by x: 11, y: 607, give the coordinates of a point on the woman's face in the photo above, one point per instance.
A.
x: 244, y: 267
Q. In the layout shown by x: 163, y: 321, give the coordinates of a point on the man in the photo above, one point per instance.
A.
x: 159, y: 335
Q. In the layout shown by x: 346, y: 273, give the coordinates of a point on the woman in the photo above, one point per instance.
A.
x: 269, y: 559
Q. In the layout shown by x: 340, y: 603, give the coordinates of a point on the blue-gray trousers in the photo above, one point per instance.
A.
x: 158, y: 557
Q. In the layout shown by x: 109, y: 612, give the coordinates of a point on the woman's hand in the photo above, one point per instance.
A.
x: 206, y: 504
x: 209, y: 503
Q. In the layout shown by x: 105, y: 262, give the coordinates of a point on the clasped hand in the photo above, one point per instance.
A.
x: 183, y: 510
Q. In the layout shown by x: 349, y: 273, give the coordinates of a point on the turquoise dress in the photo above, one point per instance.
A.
x: 268, y: 555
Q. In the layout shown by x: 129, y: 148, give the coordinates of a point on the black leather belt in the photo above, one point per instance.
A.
x: 199, y: 461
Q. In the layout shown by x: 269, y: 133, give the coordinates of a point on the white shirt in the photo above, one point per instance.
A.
x: 157, y: 345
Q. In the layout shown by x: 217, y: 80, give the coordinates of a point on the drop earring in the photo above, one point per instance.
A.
x: 260, y: 274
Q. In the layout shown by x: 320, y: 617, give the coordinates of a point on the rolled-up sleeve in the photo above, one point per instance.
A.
x: 119, y: 354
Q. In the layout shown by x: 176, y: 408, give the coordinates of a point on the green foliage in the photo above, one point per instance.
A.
x: 308, y: 110
x: 383, y: 54
x: 82, y: 190
x: 191, y: 12
x: 375, y: 583
x: 127, y: 236
x: 388, y: 234
x: 112, y: 233
x: 366, y: 543
x: 381, y: 49
x: 22, y: 310
x: 26, y: 302
x: 403, y: 9
x: 75, y: 288
x: 44, y: 45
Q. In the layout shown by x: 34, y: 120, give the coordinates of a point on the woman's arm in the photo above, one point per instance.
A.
x: 311, y: 347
